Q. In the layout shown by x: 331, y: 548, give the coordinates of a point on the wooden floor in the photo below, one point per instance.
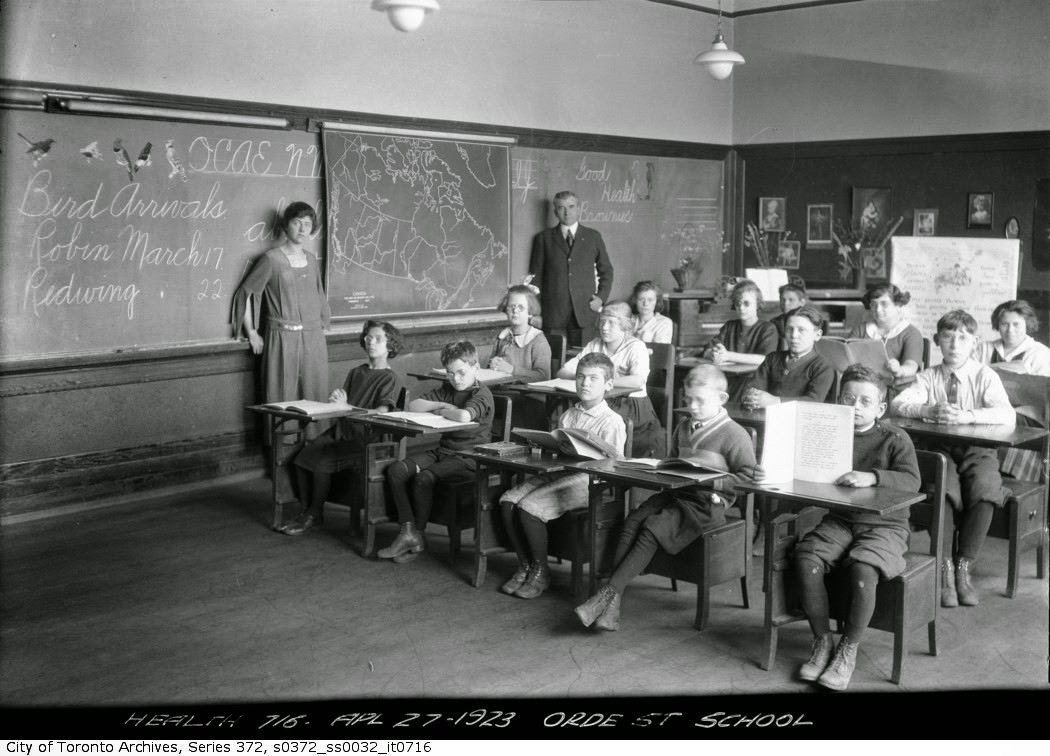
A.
x: 191, y: 599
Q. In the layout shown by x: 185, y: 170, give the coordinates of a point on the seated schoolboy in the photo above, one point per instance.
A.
x: 413, y: 479
x: 650, y: 324
x: 673, y: 520
x: 372, y: 385
x: 792, y: 296
x: 745, y: 339
x: 631, y: 359
x: 798, y: 372
x: 961, y: 390
x: 870, y: 546
x: 529, y: 506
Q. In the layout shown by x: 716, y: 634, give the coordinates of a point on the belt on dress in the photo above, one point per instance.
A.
x: 284, y: 325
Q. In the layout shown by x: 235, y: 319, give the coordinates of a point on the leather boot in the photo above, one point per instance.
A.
x: 592, y: 608
x: 517, y: 579
x: 414, y: 553
x: 819, y: 658
x: 949, y: 598
x: 964, y: 588
x: 610, y: 619
x: 839, y: 672
x: 407, y: 540
x: 538, y: 580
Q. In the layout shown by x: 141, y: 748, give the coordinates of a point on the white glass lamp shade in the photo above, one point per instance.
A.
x: 719, y: 59
x: 406, y: 15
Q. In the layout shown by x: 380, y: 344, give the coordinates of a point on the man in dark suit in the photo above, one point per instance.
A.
x: 563, y: 264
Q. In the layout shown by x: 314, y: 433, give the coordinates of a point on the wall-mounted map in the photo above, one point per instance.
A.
x: 415, y: 225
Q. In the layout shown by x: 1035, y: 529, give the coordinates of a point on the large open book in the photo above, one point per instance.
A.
x: 569, y: 441
x: 841, y: 353
x: 426, y: 419
x: 704, y: 465
x: 311, y: 408
x: 559, y: 384
x: 807, y: 441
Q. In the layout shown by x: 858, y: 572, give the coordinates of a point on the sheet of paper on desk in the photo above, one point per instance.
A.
x: 309, y: 407
x: 769, y: 281
x: 427, y: 419
x: 807, y: 441
x: 561, y: 384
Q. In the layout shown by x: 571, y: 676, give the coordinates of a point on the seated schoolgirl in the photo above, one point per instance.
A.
x: 745, y: 339
x: 798, y: 372
x: 650, y: 324
x: 522, y: 350
x: 372, y: 385
x: 631, y: 359
x: 887, y: 323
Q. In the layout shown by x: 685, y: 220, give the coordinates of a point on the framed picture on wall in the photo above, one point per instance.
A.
x: 925, y: 221
x: 871, y: 208
x: 771, y: 212
x: 789, y: 254
x: 818, y: 226
x: 979, y: 209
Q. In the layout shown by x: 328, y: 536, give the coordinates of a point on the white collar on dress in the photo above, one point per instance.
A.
x: 872, y: 331
x: 521, y: 341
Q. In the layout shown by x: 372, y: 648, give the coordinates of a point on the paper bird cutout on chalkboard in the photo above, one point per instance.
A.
x: 91, y: 152
x: 37, y: 149
x: 124, y: 159
x: 177, y: 168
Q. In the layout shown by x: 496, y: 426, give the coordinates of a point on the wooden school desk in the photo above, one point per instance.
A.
x: 559, y: 398
x: 794, y: 495
x: 970, y: 434
x: 729, y: 368
x: 487, y: 518
x: 280, y: 483
x: 605, y: 518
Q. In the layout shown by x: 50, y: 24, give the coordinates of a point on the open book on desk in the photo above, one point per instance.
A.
x: 425, y: 419
x: 705, y: 465
x: 569, y: 441
x: 311, y: 408
x: 558, y: 384
x: 808, y: 441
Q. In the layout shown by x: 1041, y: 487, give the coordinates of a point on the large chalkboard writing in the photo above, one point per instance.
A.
x: 651, y: 211
x: 122, y: 233
x: 416, y: 225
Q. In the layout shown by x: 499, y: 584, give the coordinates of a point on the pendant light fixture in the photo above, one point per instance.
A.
x: 719, y: 59
x: 406, y: 15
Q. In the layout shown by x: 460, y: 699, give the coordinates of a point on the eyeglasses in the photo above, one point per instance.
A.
x: 516, y: 308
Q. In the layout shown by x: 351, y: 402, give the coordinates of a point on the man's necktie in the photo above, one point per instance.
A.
x: 568, y: 238
x: 953, y: 389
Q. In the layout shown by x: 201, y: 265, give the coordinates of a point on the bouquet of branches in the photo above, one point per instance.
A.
x: 759, y: 243
x: 854, y: 244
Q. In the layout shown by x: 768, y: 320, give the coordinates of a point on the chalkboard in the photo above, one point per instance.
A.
x: 651, y: 211
x: 416, y: 225
x: 947, y: 273
x: 122, y: 233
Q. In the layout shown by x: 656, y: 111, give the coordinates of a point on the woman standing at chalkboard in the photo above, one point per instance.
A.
x: 288, y: 280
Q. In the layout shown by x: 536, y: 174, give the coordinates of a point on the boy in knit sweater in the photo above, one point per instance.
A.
x: 870, y: 546
x: 672, y: 520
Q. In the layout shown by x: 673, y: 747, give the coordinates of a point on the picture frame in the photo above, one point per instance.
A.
x: 1012, y: 228
x: 789, y: 254
x: 771, y: 213
x: 874, y: 263
x: 979, y: 209
x: 819, y: 219
x: 925, y: 221
x: 871, y: 209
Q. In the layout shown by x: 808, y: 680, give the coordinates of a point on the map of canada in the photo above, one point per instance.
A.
x: 415, y: 225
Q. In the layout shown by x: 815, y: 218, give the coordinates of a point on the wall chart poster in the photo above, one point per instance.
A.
x: 416, y: 225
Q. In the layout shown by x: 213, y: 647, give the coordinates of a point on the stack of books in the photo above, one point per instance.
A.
x: 502, y: 449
